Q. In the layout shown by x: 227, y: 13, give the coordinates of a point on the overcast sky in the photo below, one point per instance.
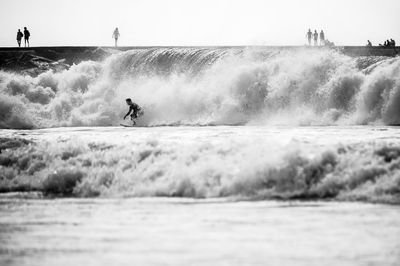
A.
x: 200, y: 22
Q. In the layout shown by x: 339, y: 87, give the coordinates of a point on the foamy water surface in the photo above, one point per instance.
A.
x: 196, y: 232
x: 253, y: 162
x: 224, y: 164
x: 291, y: 184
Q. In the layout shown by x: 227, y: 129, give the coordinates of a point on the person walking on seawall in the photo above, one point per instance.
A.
x: 309, y: 36
x: 315, y: 38
x: 116, y: 36
x: 19, y: 37
x: 322, y: 38
x: 27, y: 34
x: 369, y: 44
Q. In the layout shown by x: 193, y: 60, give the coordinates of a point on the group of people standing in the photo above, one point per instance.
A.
x: 310, y: 36
x: 25, y: 35
x: 389, y: 43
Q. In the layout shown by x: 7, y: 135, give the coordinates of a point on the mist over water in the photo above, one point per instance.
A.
x: 200, y: 86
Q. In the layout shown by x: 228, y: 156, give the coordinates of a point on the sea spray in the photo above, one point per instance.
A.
x: 203, y: 86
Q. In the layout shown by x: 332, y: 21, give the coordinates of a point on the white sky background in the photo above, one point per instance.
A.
x: 198, y: 22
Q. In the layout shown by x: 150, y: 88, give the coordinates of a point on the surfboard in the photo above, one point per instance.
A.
x: 127, y: 125
x: 139, y: 114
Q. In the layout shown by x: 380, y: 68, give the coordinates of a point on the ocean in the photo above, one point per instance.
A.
x: 244, y: 156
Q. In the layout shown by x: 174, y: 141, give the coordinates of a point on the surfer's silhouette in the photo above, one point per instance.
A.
x: 27, y: 34
x: 19, y: 37
x: 116, y: 36
x: 134, y: 110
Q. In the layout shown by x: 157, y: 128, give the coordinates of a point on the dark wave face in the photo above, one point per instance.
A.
x: 203, y: 86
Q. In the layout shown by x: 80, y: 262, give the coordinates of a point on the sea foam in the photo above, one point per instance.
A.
x: 238, y: 168
x: 204, y: 86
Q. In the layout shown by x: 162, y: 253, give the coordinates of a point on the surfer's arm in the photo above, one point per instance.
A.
x: 130, y: 109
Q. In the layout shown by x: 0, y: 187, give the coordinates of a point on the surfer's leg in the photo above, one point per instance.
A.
x: 133, y: 119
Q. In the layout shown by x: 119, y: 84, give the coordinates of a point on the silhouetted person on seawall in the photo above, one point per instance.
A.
x: 19, y: 37
x: 116, y: 36
x: 309, y: 36
x: 322, y: 38
x: 389, y: 43
x: 135, y: 109
x: 315, y: 38
x: 27, y: 34
x: 369, y: 44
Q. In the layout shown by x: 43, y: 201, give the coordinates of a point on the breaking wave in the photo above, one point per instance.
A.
x: 200, y: 86
x: 249, y: 169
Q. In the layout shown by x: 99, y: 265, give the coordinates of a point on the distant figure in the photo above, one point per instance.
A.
x: 309, y: 36
x: 315, y: 38
x: 369, y: 44
x: 19, y: 37
x: 392, y: 42
x: 116, y: 36
x: 322, y: 38
x: 27, y: 34
x: 135, y: 109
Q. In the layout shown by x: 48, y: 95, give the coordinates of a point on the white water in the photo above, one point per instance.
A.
x: 252, y: 162
x: 222, y: 86
x: 210, y: 168
x: 269, y: 92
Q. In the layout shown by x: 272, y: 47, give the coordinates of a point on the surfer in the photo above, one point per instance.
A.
x: 135, y: 109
